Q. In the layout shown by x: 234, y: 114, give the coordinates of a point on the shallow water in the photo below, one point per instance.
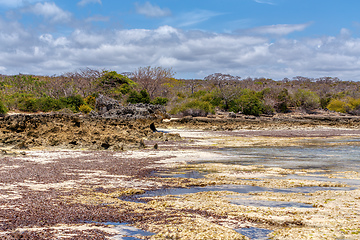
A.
x: 232, y: 188
x: 254, y: 233
x: 245, y: 201
x: 127, y: 232
x: 331, y: 155
x: 331, y: 158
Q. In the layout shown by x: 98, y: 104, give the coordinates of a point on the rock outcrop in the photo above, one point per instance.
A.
x: 59, y: 130
x: 110, y: 108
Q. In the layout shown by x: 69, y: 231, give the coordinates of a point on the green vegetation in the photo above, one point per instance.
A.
x: 138, y: 97
x: 78, y: 90
x: 3, y: 109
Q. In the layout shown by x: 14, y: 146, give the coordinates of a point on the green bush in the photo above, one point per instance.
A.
x: 73, y: 102
x: 324, y: 102
x: 354, y: 103
x: 284, y: 100
x: 3, y: 108
x: 48, y: 104
x: 28, y: 105
x: 160, y: 101
x: 139, y: 97
x: 306, y: 99
x: 90, y: 100
x: 194, y: 108
x: 337, y: 105
x: 347, y: 105
x: 85, y: 108
x: 114, y: 79
x: 248, y: 103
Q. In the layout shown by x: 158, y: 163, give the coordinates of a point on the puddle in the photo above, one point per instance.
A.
x: 254, y: 233
x: 232, y: 188
x: 355, y: 182
x: 182, y: 174
x: 182, y: 191
x: 262, y: 203
x: 127, y: 232
x: 312, y: 189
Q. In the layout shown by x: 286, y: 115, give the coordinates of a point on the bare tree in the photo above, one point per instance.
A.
x: 85, y: 80
x: 152, y: 79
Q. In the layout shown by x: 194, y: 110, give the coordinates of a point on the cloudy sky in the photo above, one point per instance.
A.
x: 256, y: 38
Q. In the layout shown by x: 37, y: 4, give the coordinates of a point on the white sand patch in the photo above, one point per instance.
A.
x: 36, y: 186
x: 6, y: 168
x: 44, y: 157
x: 174, y: 157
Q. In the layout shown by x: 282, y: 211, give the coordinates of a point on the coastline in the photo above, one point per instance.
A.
x: 69, y: 192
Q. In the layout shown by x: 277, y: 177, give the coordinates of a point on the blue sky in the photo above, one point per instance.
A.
x: 256, y: 38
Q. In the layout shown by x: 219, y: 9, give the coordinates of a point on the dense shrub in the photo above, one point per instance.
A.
x: 3, y: 108
x: 90, y: 101
x: 194, y: 108
x: 160, y: 101
x: 29, y: 104
x: 73, y: 102
x: 85, y: 108
x: 284, y: 101
x: 337, y: 105
x: 306, y: 99
x: 248, y: 103
x: 346, y: 105
x: 47, y: 104
x: 138, y: 97
x: 113, y: 79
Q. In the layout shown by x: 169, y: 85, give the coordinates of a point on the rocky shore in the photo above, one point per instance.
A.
x: 71, y: 176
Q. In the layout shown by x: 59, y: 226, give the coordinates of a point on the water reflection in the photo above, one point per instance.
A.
x: 332, y: 158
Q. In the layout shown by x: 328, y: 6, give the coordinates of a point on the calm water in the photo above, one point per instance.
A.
x: 332, y: 158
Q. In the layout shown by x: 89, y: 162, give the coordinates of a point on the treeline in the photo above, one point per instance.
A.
x: 77, y: 91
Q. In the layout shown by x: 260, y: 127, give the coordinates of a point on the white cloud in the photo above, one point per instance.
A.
x: 86, y: 2
x: 150, y: 10
x: 189, y: 53
x: 279, y: 29
x: 17, y: 3
x: 50, y: 11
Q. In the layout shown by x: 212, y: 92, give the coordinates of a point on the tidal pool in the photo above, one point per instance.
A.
x: 254, y: 233
x: 126, y: 232
x: 331, y: 158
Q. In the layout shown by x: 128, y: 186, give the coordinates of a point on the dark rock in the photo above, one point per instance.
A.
x: 104, y: 104
x: 110, y: 108
x: 232, y: 115
x: 152, y: 127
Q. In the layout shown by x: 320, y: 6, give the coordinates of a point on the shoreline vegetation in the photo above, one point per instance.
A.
x: 79, y: 149
x: 77, y: 91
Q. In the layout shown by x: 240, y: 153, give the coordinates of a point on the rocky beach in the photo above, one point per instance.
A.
x: 94, y: 177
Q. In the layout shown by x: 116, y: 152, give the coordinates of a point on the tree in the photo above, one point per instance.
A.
x: 152, y: 79
x: 85, y: 80
x: 225, y: 85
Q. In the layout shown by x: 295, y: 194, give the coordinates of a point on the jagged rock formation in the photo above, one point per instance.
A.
x: 113, y: 126
x: 71, y: 131
x: 110, y: 108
